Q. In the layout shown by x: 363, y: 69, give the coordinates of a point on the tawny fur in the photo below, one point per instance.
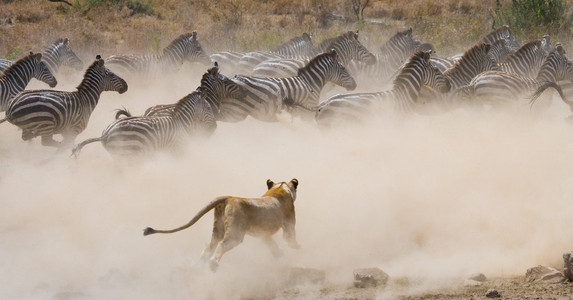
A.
x: 235, y: 217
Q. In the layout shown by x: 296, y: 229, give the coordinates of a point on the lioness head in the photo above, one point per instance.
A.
x: 281, y: 187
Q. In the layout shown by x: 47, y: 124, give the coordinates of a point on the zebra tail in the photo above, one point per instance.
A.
x: 542, y: 89
x: 122, y: 112
x: 77, y: 149
x: 201, y: 213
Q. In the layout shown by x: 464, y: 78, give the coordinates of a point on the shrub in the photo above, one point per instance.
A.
x: 136, y: 6
x: 528, y: 16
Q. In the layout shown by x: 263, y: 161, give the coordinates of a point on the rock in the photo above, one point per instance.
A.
x: 568, y: 265
x: 491, y: 293
x: 471, y: 282
x: 544, y: 273
x: 369, y: 277
x: 477, y: 277
x: 302, y: 276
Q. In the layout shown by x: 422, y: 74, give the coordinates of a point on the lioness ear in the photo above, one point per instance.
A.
x: 294, y: 182
x: 270, y: 183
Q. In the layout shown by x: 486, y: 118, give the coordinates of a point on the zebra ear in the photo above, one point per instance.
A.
x: 427, y: 55
x: 356, y: 34
x: 216, y: 65
x: 194, y: 35
x: 560, y: 49
x: 333, y: 53
x: 98, y: 57
x: 486, y: 47
x: 270, y: 184
x: 66, y: 41
x: 409, y: 32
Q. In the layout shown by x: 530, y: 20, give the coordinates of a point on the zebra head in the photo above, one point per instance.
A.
x: 418, y: 72
x: 60, y: 53
x: 334, y: 70
x: 41, y: 70
x: 217, y: 87
x: 190, y: 49
x: 348, y: 48
x: 108, y: 81
x: 546, y: 43
x: 402, y: 45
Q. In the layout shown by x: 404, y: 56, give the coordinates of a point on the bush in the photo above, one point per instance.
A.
x: 136, y: 6
x: 527, y: 16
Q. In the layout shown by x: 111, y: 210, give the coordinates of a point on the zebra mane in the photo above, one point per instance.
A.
x: 469, y: 54
x: 501, y: 31
x: 315, y: 60
x: 21, y: 60
x: 525, y: 48
x: 191, y: 36
x: 97, y: 63
x: 298, y: 41
x: 61, y: 41
x: 396, y: 38
x: 327, y: 44
x: 414, y: 59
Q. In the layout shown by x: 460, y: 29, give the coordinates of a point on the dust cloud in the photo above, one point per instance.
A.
x: 428, y: 198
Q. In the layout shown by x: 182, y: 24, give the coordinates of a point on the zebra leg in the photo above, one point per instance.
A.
x: 48, y: 140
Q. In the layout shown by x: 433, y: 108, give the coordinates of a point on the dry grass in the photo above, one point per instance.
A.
x: 241, y: 25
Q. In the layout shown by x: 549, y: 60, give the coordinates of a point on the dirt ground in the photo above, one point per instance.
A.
x: 508, y: 288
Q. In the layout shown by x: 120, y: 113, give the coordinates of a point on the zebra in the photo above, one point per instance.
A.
x: 186, y: 47
x: 16, y: 77
x: 474, y: 61
x: 216, y: 87
x: 142, y: 135
x: 403, y: 97
x: 393, y: 54
x: 346, y: 45
x: 502, y: 88
x: 501, y: 33
x: 59, y: 53
x: 46, y: 112
x: 526, y: 61
x: 243, y: 63
x: 266, y: 96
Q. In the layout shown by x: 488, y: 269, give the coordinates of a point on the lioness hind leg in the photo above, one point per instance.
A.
x: 273, y: 246
x: 218, y: 233
x: 233, y: 237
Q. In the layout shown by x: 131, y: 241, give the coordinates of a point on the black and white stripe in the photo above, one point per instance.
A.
x: 16, y: 77
x: 46, y: 112
x: 184, y: 48
x: 142, y: 135
x: 526, y: 61
x: 503, y: 88
x: 265, y: 96
x: 58, y: 54
x: 346, y: 45
x: 474, y: 61
x: 356, y: 107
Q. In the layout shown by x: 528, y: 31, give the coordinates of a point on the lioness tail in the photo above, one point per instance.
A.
x: 201, y: 213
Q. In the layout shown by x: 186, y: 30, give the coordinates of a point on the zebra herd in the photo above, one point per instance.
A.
x: 494, y: 72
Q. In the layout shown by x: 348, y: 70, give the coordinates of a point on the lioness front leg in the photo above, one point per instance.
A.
x: 273, y: 246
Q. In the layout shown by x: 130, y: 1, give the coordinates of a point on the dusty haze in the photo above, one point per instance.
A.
x: 428, y: 198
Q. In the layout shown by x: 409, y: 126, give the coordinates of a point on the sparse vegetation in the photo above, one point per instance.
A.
x: 533, y: 16
x: 142, y: 26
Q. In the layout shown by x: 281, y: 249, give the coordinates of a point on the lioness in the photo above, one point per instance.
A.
x: 235, y: 217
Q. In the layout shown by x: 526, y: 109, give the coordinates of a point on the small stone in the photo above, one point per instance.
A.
x: 543, y: 273
x: 477, y: 277
x: 491, y: 293
x: 471, y: 282
x: 369, y: 277
x: 568, y: 265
